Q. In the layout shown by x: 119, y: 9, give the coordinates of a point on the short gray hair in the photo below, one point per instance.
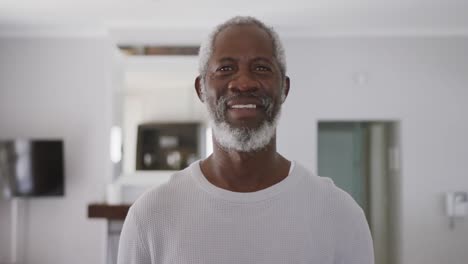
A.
x: 206, y: 48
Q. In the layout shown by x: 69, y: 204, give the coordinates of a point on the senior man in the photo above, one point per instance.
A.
x: 245, y: 203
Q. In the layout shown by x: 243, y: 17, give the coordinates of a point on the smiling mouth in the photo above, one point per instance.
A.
x: 244, y: 106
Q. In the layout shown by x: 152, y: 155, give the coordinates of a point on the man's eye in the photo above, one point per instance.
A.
x: 225, y: 68
x: 262, y: 68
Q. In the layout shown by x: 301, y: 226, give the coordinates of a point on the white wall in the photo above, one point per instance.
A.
x: 421, y: 82
x: 60, y: 87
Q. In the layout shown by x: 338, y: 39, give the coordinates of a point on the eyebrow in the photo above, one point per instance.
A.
x: 263, y: 59
x: 227, y: 59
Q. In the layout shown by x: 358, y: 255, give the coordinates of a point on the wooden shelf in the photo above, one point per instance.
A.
x: 109, y: 212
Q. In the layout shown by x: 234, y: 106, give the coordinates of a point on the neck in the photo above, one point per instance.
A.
x: 245, y: 171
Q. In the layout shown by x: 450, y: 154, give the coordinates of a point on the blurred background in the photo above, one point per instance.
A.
x: 378, y: 103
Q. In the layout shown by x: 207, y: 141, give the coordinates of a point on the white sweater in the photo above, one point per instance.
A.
x: 302, y: 219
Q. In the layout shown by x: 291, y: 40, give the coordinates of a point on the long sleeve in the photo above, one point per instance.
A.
x: 132, y: 250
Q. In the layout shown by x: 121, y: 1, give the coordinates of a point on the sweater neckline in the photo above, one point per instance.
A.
x: 244, y: 197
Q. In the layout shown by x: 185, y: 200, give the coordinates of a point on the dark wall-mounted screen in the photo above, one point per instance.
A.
x: 32, y: 168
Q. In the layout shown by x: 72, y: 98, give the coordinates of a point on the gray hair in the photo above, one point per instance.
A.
x: 206, y: 48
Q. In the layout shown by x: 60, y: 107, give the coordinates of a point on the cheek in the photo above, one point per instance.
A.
x: 219, y: 82
x: 213, y: 95
x: 273, y: 88
x: 212, y: 101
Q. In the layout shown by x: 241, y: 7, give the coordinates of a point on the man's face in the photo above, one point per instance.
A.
x: 243, y: 85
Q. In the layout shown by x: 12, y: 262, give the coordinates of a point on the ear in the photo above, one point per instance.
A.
x: 198, y: 88
x: 287, y: 84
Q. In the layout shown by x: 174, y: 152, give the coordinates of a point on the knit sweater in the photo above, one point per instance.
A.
x: 302, y: 219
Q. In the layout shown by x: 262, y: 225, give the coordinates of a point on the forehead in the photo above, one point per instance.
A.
x: 243, y: 41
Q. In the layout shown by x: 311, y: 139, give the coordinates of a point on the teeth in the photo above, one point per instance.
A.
x: 245, y: 106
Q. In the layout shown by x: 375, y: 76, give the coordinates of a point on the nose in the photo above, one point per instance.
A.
x: 243, y: 81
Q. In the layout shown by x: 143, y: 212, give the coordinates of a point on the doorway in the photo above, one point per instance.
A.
x: 362, y: 158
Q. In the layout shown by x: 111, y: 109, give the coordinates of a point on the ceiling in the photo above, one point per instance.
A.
x: 177, y: 21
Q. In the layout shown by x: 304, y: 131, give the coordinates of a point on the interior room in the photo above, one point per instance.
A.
x: 378, y: 103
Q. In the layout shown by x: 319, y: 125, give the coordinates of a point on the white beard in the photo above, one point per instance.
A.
x: 243, y: 139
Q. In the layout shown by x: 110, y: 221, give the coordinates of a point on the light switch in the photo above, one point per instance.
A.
x: 456, y: 206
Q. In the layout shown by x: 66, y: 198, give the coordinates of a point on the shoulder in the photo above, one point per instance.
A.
x: 312, y: 180
x: 324, y: 191
x: 334, y: 210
